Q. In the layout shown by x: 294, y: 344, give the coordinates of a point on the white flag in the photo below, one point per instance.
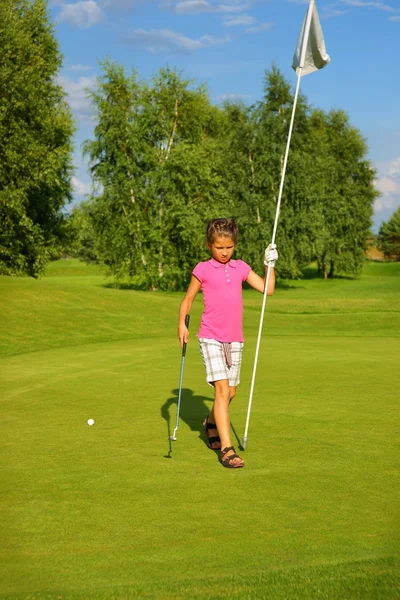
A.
x: 310, y: 52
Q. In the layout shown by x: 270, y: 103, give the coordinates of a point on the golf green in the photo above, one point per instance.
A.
x: 119, y: 511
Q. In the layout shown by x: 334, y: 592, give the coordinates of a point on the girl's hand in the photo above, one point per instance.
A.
x: 183, y: 334
x: 270, y: 256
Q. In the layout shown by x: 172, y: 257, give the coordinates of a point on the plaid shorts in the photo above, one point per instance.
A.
x: 215, y: 361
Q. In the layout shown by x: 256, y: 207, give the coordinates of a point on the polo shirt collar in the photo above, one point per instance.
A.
x: 216, y: 264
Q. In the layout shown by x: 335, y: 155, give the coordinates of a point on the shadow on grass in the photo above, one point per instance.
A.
x: 284, y: 285
x: 193, y: 411
x: 312, y: 273
x: 115, y: 285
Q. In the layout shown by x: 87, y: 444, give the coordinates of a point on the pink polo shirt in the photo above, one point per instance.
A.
x: 221, y: 285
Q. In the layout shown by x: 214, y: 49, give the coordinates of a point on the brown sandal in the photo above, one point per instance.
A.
x: 226, y: 460
x: 211, y: 439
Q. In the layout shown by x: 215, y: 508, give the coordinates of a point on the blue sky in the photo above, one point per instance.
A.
x: 228, y: 44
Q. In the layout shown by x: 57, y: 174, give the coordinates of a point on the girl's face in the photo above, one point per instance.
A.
x: 222, y: 249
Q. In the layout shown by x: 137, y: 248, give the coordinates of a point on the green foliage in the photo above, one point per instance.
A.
x: 80, y: 237
x: 158, y: 166
x: 389, y: 236
x: 346, y: 182
x: 35, y: 140
x: 165, y: 161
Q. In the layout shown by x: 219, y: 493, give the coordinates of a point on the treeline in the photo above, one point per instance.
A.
x: 164, y: 160
x: 389, y: 236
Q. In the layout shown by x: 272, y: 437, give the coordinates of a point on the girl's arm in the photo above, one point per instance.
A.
x: 184, y: 309
x: 259, y: 284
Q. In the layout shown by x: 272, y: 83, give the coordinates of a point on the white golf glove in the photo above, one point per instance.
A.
x: 270, y: 256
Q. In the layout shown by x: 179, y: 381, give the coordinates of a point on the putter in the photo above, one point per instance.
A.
x: 173, y: 436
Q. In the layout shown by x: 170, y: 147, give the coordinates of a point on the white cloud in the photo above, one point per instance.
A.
x: 239, y: 20
x: 126, y: 4
x: 122, y: 5
x: 185, y: 7
x: 192, y: 6
x: 165, y: 40
x: 333, y: 13
x: 386, y: 203
x: 394, y: 18
x: 331, y: 10
x: 82, y: 14
x: 77, y: 96
x: 233, y: 7
x: 81, y: 188
x: 259, y: 28
x: 388, y: 184
x: 394, y: 167
x: 364, y: 4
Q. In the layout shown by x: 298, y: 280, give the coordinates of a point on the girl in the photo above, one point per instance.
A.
x: 221, y: 333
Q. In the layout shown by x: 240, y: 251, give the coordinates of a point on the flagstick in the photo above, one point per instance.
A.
x: 299, y: 73
x: 245, y: 437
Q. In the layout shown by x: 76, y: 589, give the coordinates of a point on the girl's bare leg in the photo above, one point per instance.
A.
x: 232, y: 394
x: 220, y: 413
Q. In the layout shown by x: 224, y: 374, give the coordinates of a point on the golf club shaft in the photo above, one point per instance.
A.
x: 173, y: 436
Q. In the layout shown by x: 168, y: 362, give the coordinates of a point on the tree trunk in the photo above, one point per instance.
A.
x: 160, y: 261
x: 173, y: 131
x: 322, y: 268
x: 331, y: 270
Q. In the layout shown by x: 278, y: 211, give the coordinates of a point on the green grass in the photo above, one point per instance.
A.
x: 118, y: 511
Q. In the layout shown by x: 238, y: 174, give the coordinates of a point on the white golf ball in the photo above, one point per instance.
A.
x: 90, y: 422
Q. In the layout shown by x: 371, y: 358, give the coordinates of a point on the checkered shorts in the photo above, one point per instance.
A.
x: 213, y: 355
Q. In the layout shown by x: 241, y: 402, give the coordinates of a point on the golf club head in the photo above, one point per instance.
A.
x: 173, y: 438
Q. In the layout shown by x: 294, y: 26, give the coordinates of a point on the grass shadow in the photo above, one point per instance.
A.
x: 312, y: 273
x: 238, y: 442
x: 193, y: 411
x: 283, y: 285
x: 115, y: 285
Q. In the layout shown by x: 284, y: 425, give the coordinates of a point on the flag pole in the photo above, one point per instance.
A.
x: 306, y: 34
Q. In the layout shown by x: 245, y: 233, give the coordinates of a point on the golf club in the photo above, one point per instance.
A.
x: 173, y: 436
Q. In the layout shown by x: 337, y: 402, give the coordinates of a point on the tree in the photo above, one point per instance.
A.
x: 164, y: 161
x: 158, y: 168
x: 389, y: 236
x: 257, y: 143
x: 80, y: 237
x: 328, y: 191
x: 347, y: 196
x: 36, y: 131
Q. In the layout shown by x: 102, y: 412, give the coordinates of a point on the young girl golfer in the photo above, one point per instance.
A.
x: 221, y: 331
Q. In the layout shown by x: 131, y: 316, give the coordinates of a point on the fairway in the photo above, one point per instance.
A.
x: 117, y: 510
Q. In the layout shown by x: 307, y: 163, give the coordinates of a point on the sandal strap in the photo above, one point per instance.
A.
x: 207, y: 425
x: 229, y: 458
x: 212, y: 440
x: 225, y: 450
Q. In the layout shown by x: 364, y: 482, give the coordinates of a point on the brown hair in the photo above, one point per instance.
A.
x: 221, y: 228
